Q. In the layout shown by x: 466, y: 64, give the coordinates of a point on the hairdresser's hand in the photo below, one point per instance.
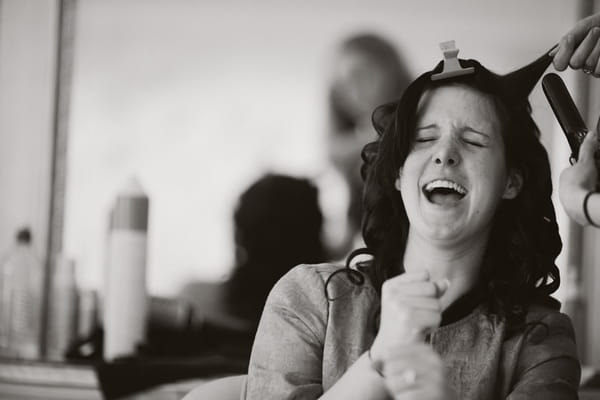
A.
x: 410, y: 307
x: 580, y: 47
x: 416, y: 371
x: 579, y: 179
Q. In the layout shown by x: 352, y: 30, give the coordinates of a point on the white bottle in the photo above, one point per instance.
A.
x: 21, y: 286
x: 125, y: 298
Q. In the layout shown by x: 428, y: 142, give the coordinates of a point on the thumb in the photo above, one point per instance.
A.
x: 442, y: 286
x: 588, y: 146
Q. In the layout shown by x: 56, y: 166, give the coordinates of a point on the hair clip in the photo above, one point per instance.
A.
x: 451, y: 65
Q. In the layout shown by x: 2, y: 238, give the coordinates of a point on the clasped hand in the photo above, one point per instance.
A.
x: 410, y: 309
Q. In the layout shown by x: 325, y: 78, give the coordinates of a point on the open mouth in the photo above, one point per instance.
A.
x: 444, y: 192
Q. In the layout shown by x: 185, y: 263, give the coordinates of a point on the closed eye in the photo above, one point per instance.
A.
x: 473, y: 143
x: 426, y: 133
x: 475, y: 138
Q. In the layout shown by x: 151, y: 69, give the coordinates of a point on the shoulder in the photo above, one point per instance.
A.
x: 546, y: 361
x: 548, y: 334
x: 318, y: 282
x: 543, y: 321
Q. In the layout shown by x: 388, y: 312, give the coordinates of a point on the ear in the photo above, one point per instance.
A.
x: 397, y: 181
x: 514, y: 183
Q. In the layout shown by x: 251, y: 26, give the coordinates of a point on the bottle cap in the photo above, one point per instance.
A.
x: 24, y: 235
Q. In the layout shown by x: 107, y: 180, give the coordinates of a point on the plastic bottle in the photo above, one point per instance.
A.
x: 125, y: 297
x: 20, y: 300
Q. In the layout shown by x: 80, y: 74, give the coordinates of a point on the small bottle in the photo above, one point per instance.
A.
x: 21, y: 300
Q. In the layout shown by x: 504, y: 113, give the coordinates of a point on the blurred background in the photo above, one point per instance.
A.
x: 198, y: 100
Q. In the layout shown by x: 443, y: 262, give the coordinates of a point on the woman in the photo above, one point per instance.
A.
x: 454, y: 302
x: 367, y: 71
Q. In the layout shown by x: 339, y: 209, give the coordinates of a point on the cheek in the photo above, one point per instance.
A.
x: 492, y: 175
x: 408, y: 174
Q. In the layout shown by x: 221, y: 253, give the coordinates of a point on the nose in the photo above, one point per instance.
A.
x: 446, y: 154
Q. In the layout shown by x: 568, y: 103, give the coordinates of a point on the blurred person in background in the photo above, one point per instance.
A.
x: 367, y: 71
x: 277, y: 225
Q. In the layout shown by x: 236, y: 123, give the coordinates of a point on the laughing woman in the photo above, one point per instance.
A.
x: 453, y: 300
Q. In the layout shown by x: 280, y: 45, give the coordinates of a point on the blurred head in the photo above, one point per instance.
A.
x: 367, y: 72
x: 277, y: 226
x: 455, y: 159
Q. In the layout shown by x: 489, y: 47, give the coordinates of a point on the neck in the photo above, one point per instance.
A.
x: 459, y: 263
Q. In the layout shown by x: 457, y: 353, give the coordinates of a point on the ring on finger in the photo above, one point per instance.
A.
x: 587, y: 70
x: 409, y: 377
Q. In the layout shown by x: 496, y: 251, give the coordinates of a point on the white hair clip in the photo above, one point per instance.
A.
x: 451, y: 65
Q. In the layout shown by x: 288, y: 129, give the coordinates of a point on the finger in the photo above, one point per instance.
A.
x: 424, y: 390
x: 591, y: 63
x: 566, y: 47
x: 426, y: 289
x: 420, y: 322
x: 413, y: 276
x: 410, y: 325
x: 588, y: 147
x: 441, y: 287
x: 569, y: 42
x: 419, y: 302
x: 584, y: 49
x: 410, y: 351
x: 391, y: 284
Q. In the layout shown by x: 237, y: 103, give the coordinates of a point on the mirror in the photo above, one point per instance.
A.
x: 197, y: 99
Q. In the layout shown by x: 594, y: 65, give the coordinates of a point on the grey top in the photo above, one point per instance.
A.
x: 306, y: 342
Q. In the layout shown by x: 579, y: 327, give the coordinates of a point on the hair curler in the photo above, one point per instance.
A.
x: 566, y: 112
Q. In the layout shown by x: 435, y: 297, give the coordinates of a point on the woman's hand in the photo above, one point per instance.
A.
x: 580, y: 47
x: 580, y: 178
x: 416, y: 371
x: 410, y: 308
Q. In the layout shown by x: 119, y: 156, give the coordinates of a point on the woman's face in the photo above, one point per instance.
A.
x: 362, y: 83
x: 455, y: 174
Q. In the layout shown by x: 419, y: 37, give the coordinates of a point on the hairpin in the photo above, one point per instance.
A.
x: 451, y: 65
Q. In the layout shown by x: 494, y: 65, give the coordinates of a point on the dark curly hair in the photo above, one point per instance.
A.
x: 519, y: 267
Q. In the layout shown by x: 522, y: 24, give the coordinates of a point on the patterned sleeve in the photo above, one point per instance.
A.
x: 548, y: 367
x: 286, y: 360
